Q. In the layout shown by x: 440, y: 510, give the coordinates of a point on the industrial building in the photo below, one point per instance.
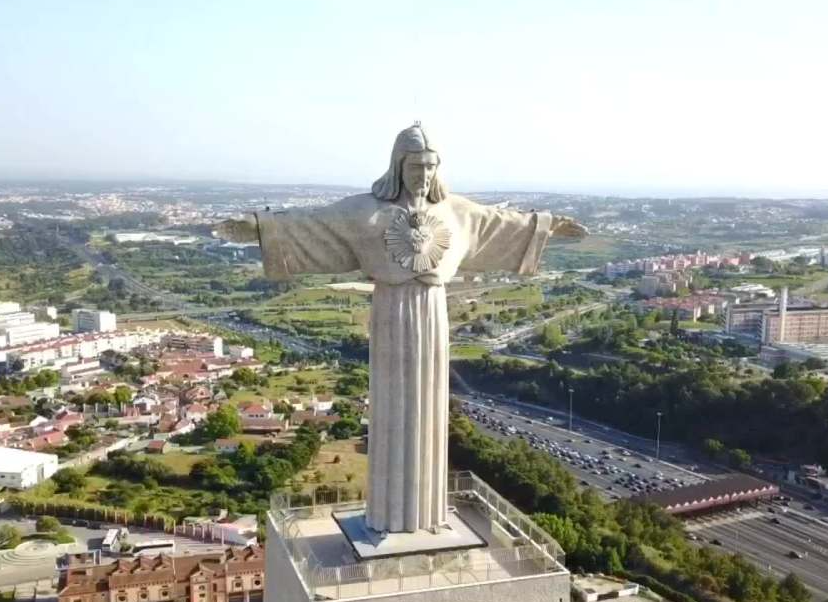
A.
x: 20, y: 469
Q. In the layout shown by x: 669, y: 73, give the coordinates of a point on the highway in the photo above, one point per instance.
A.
x: 525, y: 332
x: 609, y: 466
x: 766, y: 534
x: 772, y: 540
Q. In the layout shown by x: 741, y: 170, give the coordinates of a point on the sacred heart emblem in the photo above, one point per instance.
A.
x: 417, y: 240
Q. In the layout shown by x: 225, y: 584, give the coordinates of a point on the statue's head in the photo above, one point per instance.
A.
x: 414, y: 164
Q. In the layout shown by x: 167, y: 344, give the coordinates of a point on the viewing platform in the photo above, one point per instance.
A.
x: 505, y: 555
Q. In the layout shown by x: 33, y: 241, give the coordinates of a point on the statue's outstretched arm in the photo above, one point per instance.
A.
x: 239, y: 230
x: 567, y: 227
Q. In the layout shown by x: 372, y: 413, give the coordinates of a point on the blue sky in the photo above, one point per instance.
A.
x: 605, y: 96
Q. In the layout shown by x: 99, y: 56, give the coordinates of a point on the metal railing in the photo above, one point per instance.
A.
x: 530, y: 550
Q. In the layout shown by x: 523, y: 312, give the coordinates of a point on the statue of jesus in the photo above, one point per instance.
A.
x: 410, y: 236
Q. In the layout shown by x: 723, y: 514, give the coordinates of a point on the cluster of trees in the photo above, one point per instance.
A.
x: 698, y: 400
x: 616, y: 538
x: 122, y: 465
x: 22, y: 385
x: 69, y: 480
x: 120, y: 396
x: 36, y: 263
x: 258, y: 470
x: 354, y: 380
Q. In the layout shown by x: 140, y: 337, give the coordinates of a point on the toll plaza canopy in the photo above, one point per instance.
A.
x: 711, y: 495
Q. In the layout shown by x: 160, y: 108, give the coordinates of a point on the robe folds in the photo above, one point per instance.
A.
x: 409, y: 261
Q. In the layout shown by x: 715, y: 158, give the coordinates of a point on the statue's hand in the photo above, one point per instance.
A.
x: 566, y: 227
x: 238, y: 230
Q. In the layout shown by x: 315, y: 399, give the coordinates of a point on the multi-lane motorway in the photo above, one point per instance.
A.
x: 778, y: 542
x: 613, y: 468
x: 779, y: 537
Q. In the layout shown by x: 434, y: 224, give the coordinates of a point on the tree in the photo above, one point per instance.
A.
x: 793, y: 590
x: 82, y: 435
x: 674, y: 323
x: 245, y: 377
x: 786, y: 370
x: 614, y: 566
x: 122, y: 395
x: 763, y: 264
x: 10, y: 537
x: 47, y: 524
x: 713, y: 448
x: 222, y: 423
x: 552, y: 338
x: 69, y: 480
x: 345, y: 428
x: 738, y: 458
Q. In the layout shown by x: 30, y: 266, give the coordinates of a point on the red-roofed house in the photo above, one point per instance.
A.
x: 157, y: 447
x: 67, y: 419
x: 53, y: 439
x: 256, y: 410
x: 226, y: 446
x: 195, y: 412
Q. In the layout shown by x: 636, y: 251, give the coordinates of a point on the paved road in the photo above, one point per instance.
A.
x: 771, y: 540
x: 614, y: 470
x: 801, y: 528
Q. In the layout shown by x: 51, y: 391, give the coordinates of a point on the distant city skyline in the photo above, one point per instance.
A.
x: 631, y: 98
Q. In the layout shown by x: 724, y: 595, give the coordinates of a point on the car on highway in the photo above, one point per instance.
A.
x: 795, y: 555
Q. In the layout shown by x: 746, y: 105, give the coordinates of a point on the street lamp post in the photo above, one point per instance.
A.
x: 658, y: 434
x: 571, y: 391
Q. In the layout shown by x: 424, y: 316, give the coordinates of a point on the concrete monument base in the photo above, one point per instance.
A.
x: 368, y: 544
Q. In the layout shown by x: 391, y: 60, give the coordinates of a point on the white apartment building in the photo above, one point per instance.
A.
x: 89, y: 320
x: 23, y: 334
x: 16, y: 318
x: 69, y: 349
x: 7, y: 307
x: 20, y: 469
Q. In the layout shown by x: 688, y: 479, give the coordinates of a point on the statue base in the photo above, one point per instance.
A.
x: 368, y: 544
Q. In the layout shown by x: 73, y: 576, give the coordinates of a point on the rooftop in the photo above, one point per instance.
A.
x: 14, y: 460
x: 707, y: 495
x: 515, y: 548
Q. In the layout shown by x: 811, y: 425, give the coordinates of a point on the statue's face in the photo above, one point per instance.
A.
x: 418, y: 171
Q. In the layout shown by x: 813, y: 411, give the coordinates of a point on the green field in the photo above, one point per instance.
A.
x: 462, y: 351
x: 179, y: 462
x: 312, y: 296
x: 289, y: 384
x: 318, y: 323
x: 353, y: 460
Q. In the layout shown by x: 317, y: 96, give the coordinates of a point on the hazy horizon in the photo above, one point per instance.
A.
x: 642, y: 98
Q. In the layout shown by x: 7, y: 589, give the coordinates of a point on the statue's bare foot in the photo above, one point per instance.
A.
x: 238, y: 230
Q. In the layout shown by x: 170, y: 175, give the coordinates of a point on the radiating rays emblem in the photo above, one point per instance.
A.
x: 417, y: 240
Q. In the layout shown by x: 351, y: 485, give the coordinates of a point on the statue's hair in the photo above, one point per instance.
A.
x: 410, y: 140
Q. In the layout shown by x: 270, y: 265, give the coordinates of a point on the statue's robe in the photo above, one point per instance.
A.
x: 409, y: 333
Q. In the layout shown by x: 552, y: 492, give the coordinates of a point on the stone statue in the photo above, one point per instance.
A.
x: 410, y: 236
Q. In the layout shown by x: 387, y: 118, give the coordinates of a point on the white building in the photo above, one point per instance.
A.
x: 7, y: 307
x: 69, y: 349
x: 23, y: 334
x: 89, y: 320
x: 20, y: 469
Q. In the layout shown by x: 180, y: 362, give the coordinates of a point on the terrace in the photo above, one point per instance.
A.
x: 328, y: 568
